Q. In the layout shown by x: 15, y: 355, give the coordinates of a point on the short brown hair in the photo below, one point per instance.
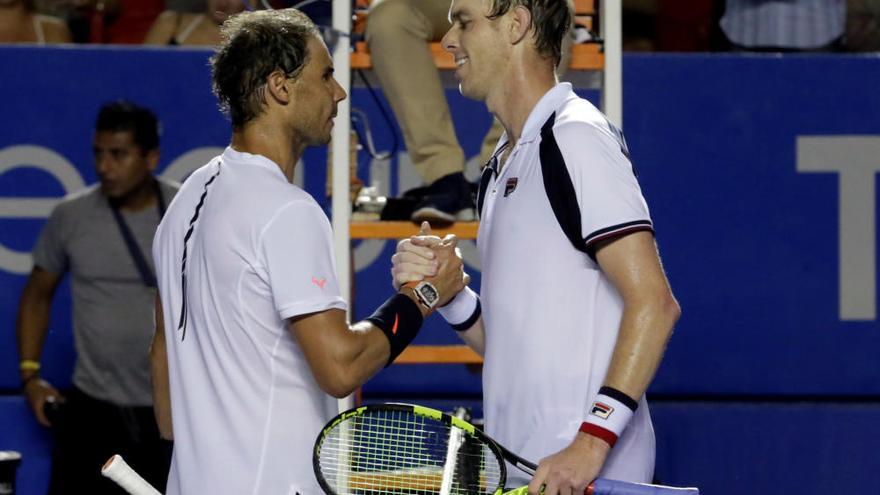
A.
x: 551, y: 22
x: 254, y: 45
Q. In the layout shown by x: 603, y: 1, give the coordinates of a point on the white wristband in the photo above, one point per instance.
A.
x: 607, y: 418
x: 461, y: 309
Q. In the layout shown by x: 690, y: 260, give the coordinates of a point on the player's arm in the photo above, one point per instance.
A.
x: 31, y: 328
x: 159, y: 375
x: 342, y: 357
x: 650, y: 311
x: 475, y: 336
x: 649, y: 314
x: 413, y: 261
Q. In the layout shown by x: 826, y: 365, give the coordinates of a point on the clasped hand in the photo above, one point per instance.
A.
x: 428, y: 257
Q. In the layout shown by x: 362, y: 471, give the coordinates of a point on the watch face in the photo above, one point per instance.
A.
x: 428, y: 292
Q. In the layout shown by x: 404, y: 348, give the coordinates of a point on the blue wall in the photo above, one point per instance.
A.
x: 749, y: 239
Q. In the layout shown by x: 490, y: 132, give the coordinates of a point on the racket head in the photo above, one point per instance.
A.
x: 402, y: 449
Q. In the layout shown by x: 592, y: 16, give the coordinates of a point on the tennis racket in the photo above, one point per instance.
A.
x: 119, y: 471
x: 407, y: 450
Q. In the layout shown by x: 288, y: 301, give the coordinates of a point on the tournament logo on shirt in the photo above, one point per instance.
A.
x: 601, y: 410
x: 510, y: 186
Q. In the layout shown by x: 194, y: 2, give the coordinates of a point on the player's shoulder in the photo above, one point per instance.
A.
x: 180, y: 197
x: 196, y: 179
x: 581, y: 128
x: 299, y: 202
x: 580, y: 115
x: 268, y: 191
x: 294, y: 212
x: 588, y: 140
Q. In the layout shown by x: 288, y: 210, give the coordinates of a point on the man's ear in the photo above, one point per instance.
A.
x: 520, y: 24
x: 152, y: 159
x: 277, y: 88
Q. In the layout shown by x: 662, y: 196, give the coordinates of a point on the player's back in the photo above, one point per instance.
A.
x: 243, y: 397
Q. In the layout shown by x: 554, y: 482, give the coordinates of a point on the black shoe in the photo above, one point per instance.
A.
x: 448, y: 199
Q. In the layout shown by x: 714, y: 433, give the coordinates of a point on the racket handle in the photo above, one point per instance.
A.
x: 613, y: 487
x: 119, y: 471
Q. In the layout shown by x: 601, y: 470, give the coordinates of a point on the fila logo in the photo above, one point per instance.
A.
x: 510, y: 186
x: 320, y: 282
x: 601, y: 410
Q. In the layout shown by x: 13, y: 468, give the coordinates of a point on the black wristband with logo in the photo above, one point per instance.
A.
x: 400, y: 320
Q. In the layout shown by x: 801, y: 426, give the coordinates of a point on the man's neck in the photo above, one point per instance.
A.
x: 143, y: 196
x: 258, y: 138
x: 514, y: 101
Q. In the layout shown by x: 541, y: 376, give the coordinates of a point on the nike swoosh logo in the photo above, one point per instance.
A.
x: 394, y: 328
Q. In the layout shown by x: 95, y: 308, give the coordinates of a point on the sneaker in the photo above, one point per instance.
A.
x: 447, y: 200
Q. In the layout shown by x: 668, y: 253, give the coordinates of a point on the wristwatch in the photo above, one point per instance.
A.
x: 426, y: 293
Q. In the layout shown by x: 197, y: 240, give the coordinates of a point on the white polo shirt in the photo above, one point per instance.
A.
x: 551, y: 314
x: 246, y: 408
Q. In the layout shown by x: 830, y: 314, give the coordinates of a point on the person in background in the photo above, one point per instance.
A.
x: 101, y: 236
x: 20, y: 23
x: 193, y: 28
x: 784, y: 26
x: 863, y: 25
x: 398, y: 32
x: 108, y: 21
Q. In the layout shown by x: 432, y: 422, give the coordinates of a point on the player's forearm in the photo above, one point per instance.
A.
x: 475, y: 336
x: 371, y: 350
x: 363, y: 354
x: 645, y: 329
x: 464, y: 315
x: 342, y: 356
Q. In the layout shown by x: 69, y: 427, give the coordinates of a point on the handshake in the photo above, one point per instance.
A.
x: 426, y: 257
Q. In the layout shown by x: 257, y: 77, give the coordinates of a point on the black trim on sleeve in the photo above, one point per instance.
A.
x: 614, y: 232
x: 620, y: 397
x: 461, y: 327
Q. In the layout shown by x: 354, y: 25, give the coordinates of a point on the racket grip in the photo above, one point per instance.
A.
x: 120, y: 472
x: 612, y: 487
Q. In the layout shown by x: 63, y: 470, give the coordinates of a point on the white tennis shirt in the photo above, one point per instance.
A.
x: 551, y: 314
x: 246, y: 408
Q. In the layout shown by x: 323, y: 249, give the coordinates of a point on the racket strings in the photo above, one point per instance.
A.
x: 399, y: 452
